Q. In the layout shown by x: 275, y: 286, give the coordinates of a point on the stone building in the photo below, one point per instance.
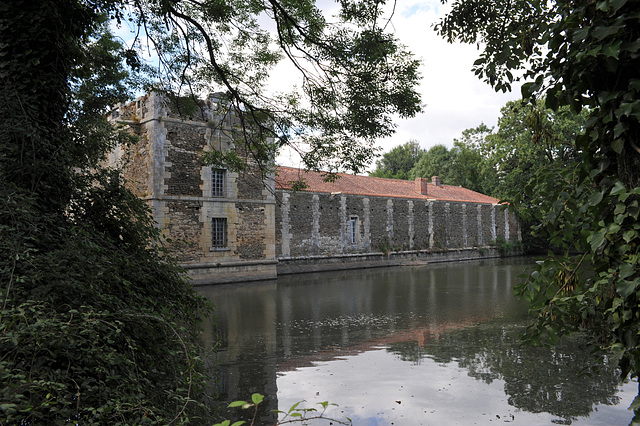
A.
x: 220, y: 223
x: 361, y: 221
x: 238, y: 226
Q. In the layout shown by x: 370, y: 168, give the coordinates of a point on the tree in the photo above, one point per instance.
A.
x: 97, y: 323
x: 397, y: 163
x: 579, y: 55
x: 531, y: 137
x: 356, y: 77
x: 436, y: 161
x: 522, y: 162
x: 471, y: 168
x: 462, y: 165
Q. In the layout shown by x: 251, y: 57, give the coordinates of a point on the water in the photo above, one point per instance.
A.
x: 427, y: 345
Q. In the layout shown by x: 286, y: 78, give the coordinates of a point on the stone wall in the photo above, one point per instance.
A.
x: 317, y: 224
x: 165, y: 168
x: 264, y: 227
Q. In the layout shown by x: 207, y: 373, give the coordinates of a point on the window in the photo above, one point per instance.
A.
x: 353, y: 228
x: 218, y: 182
x: 218, y: 232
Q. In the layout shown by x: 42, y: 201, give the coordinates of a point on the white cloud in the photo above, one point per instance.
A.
x: 455, y: 98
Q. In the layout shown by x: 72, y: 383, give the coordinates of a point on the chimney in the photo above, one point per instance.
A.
x: 421, y: 185
x: 436, y: 180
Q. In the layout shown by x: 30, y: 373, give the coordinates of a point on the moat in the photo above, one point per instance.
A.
x: 429, y: 345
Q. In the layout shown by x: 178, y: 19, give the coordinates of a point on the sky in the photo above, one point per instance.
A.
x: 454, y: 98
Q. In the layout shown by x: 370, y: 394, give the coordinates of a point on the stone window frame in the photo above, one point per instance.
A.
x: 218, y: 182
x: 353, y: 229
x: 219, y: 230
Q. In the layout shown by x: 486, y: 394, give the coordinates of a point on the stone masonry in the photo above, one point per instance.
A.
x: 236, y: 226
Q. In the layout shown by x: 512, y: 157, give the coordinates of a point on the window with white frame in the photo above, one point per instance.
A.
x: 218, y: 182
x: 353, y: 229
x: 218, y: 232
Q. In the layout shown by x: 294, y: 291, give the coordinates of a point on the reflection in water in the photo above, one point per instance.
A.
x: 440, y: 339
x: 537, y: 380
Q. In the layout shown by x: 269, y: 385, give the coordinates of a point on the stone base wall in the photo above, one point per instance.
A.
x: 304, y: 264
x: 228, y: 272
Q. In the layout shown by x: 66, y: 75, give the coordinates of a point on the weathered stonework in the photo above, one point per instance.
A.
x: 235, y: 226
x: 165, y: 168
x: 308, y: 238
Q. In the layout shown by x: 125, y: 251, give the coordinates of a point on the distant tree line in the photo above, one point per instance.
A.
x: 509, y: 162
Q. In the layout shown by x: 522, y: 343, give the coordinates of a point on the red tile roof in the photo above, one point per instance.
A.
x: 377, y: 187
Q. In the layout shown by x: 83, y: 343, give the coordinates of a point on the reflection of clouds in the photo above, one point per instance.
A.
x: 367, y: 387
x: 441, y: 348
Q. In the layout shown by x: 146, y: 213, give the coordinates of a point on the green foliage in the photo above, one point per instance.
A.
x: 507, y: 247
x: 470, y: 167
x: 397, y: 163
x: 462, y: 165
x: 531, y: 138
x: 434, y: 162
x: 531, y: 146
x: 354, y: 75
x: 293, y: 415
x: 580, y: 55
x: 97, y: 324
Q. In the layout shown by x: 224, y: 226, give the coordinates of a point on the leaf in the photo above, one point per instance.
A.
x: 237, y: 404
x: 239, y: 423
x: 604, y: 31
x: 257, y: 398
x: 613, y: 228
x: 527, y: 89
x: 629, y: 235
x: 595, y: 198
x: 581, y: 33
x: 617, y: 4
x: 626, y: 270
x: 612, y: 50
x: 596, y: 240
x: 617, y: 145
x: 619, y: 129
x: 618, y: 188
x: 294, y: 406
x: 627, y: 288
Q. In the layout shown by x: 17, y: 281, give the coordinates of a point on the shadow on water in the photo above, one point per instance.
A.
x: 415, y: 345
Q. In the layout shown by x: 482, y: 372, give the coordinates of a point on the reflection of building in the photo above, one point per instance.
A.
x: 237, y: 226
x: 465, y: 316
